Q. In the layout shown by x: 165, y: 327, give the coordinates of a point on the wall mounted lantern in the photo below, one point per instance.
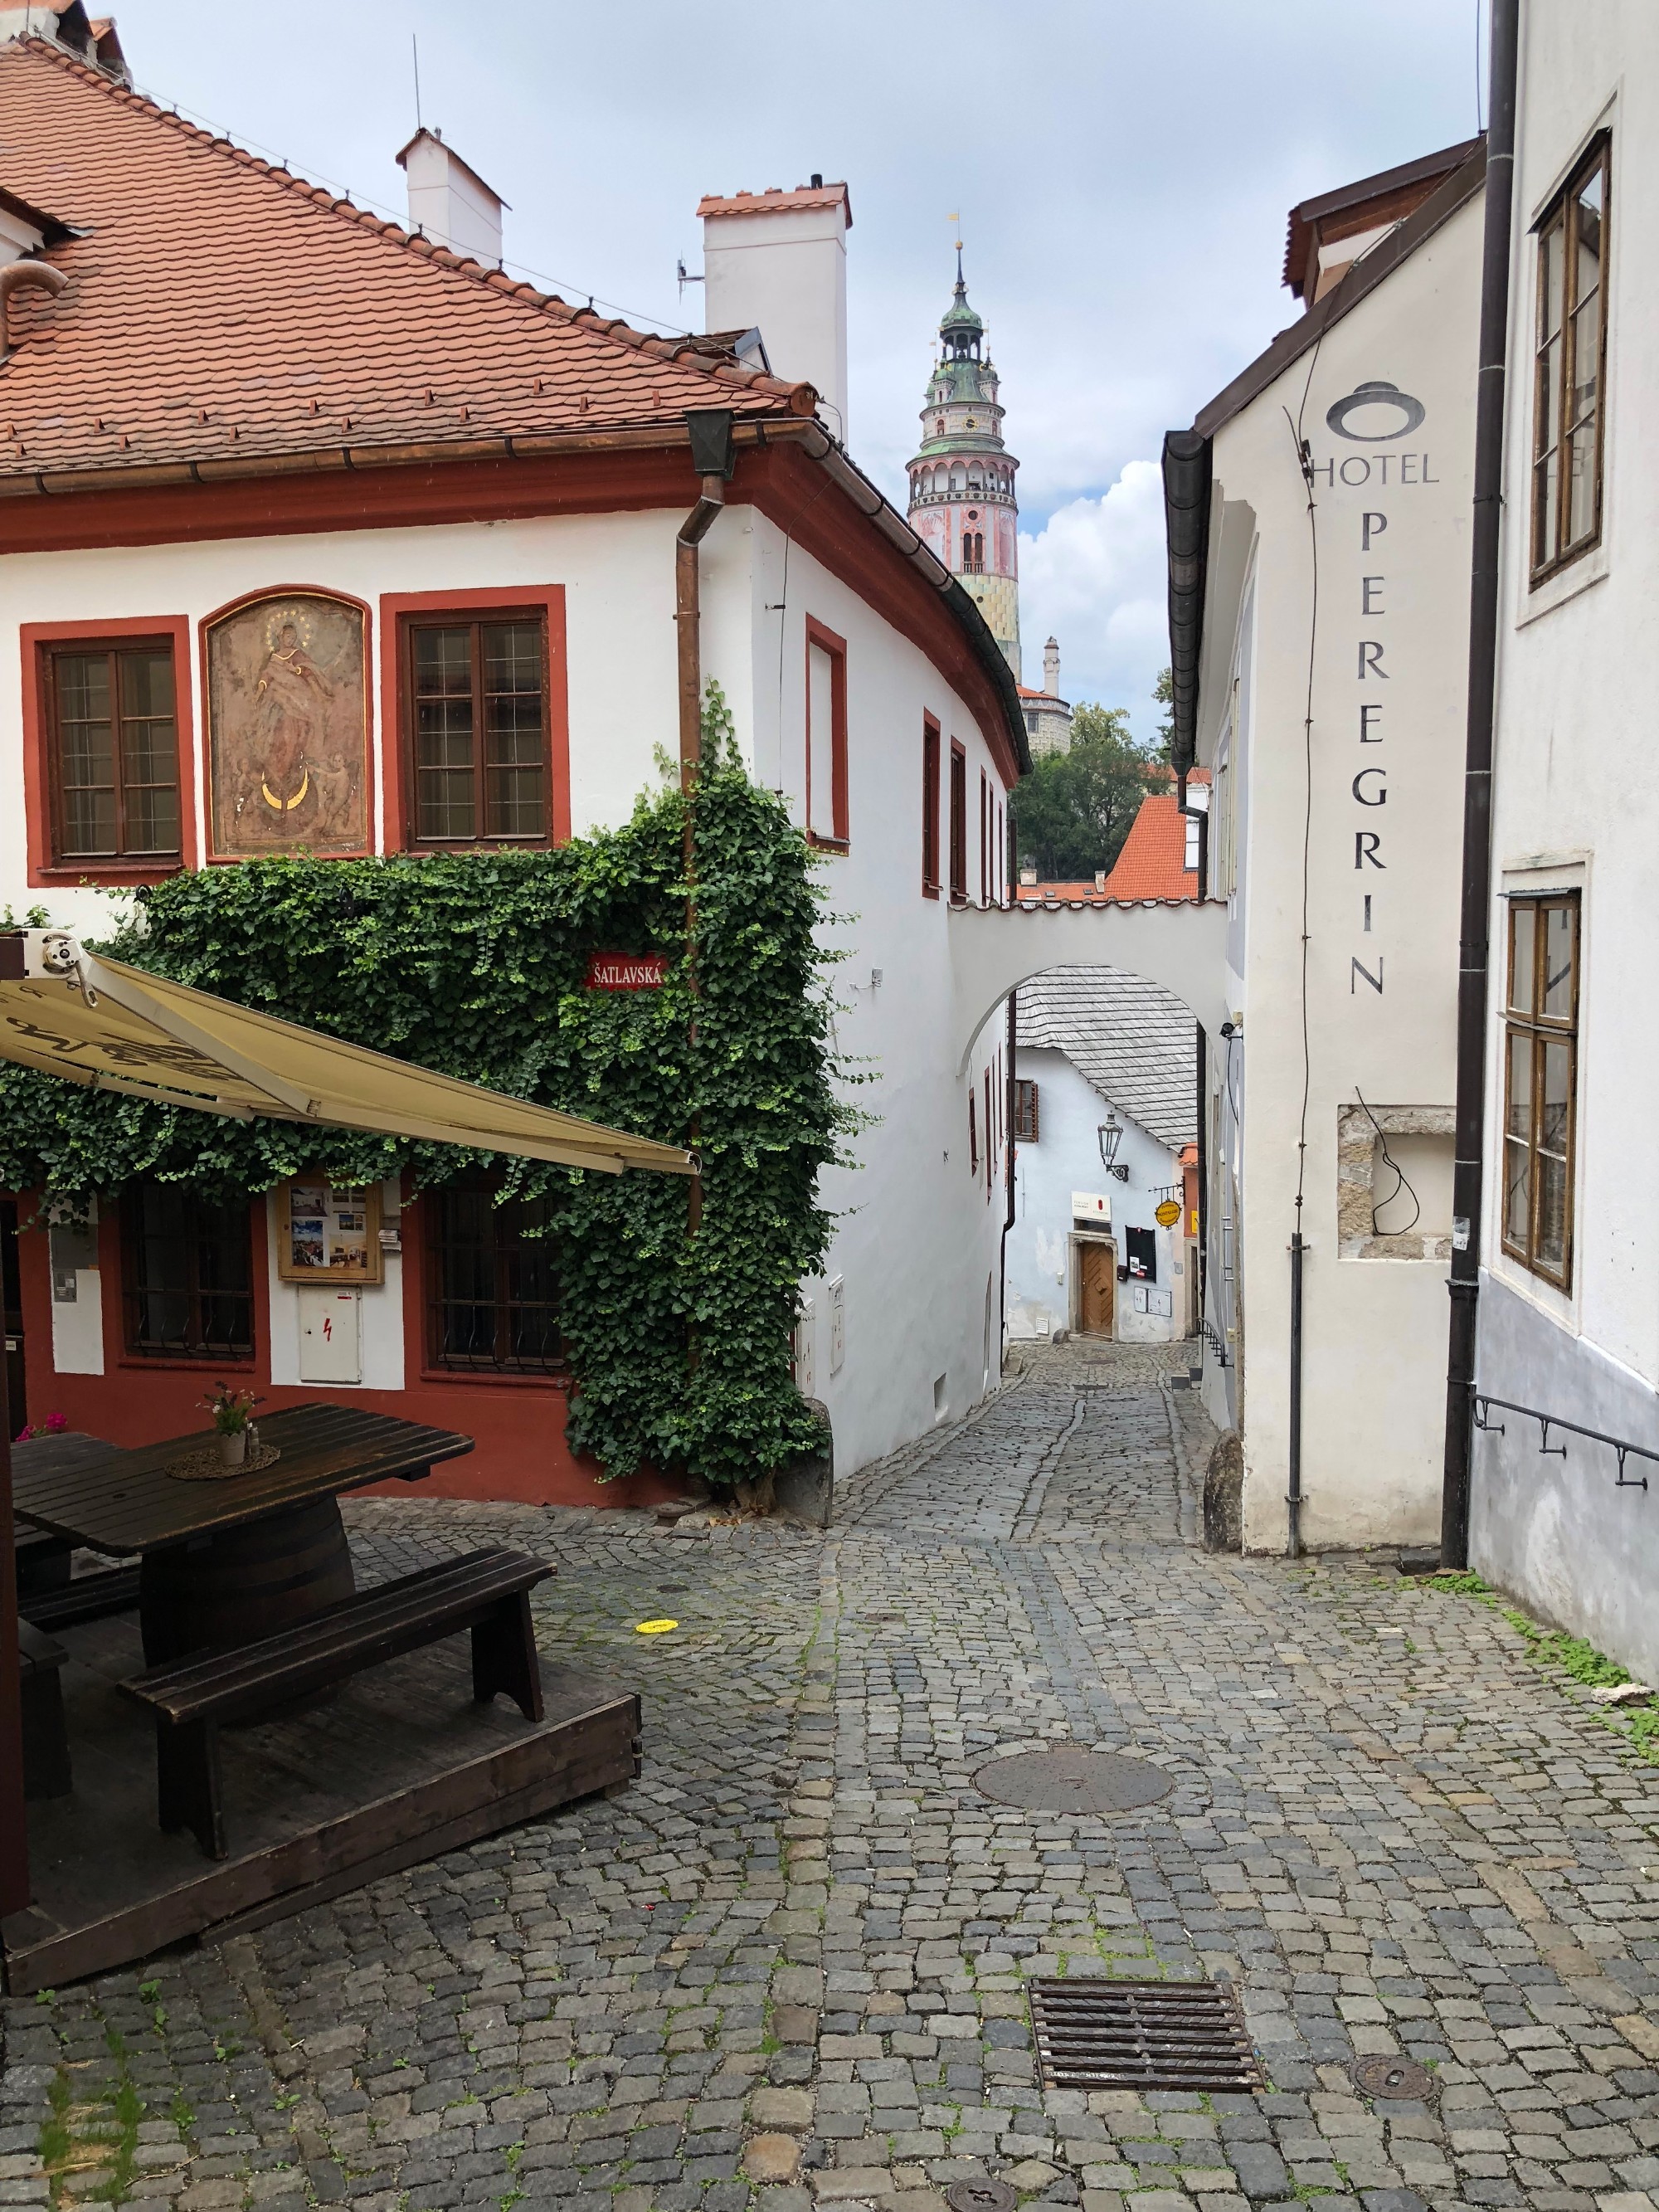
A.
x: 1109, y: 1135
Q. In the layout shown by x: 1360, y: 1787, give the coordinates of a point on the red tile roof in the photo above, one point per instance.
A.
x: 221, y: 309
x: 775, y: 201
x: 1152, y: 863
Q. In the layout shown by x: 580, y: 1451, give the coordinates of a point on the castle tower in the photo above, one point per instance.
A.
x: 962, y: 482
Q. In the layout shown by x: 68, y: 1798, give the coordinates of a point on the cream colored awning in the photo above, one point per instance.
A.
x: 111, y: 1027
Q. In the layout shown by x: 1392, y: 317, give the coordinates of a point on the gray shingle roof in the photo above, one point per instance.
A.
x: 1132, y: 1040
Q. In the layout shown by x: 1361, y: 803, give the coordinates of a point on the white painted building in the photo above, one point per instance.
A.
x: 1334, y: 726
x: 1568, y: 1314
x: 1105, y: 1067
x: 459, y: 451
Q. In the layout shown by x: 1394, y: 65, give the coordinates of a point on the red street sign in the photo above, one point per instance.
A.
x: 627, y: 971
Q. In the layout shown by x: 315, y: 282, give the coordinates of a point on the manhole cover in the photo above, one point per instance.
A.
x: 1073, y: 1780
x: 1096, y: 2033
x: 1393, y: 2077
x: 978, y: 2192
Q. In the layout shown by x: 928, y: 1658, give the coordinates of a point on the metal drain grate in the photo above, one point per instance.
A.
x: 1096, y: 2033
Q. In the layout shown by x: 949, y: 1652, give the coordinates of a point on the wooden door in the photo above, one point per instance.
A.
x: 1097, y: 1289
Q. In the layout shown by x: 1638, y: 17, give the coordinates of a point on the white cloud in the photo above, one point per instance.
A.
x: 1094, y: 577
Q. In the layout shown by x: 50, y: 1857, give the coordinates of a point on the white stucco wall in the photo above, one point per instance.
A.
x: 916, y: 1240
x: 1065, y: 1159
x: 1375, y: 1329
x: 1575, y: 796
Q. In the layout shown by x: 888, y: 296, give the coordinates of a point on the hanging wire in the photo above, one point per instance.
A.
x: 561, y: 286
x: 1401, y: 1181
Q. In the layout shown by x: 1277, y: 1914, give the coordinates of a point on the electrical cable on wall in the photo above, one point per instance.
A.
x: 1304, y: 468
x: 1401, y: 1181
x: 1293, y: 1495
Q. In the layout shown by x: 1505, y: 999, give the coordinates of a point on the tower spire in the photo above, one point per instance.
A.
x: 962, y: 480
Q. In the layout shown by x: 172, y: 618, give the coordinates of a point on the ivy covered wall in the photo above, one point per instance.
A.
x: 475, y: 964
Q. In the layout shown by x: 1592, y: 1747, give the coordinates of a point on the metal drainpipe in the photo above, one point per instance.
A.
x: 687, y: 619
x: 1293, y: 1492
x: 687, y: 614
x: 1473, y: 956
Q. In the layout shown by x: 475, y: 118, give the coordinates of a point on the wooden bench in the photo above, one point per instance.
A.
x: 46, y: 1738
x: 84, y: 1597
x: 43, y: 1560
x: 487, y: 1592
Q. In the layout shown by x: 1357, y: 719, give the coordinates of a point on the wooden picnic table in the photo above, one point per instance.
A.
x: 226, y: 1561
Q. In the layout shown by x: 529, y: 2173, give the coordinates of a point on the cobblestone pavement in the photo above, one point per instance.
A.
x: 787, y: 1968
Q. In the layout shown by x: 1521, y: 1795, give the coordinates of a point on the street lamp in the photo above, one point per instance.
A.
x: 1109, y: 1135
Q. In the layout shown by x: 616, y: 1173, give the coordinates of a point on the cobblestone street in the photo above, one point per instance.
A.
x: 788, y: 1967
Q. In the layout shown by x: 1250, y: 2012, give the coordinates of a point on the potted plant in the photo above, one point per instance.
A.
x: 232, y: 1412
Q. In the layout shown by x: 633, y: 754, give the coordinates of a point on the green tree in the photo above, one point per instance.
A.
x: 1164, y: 692
x: 1074, y: 811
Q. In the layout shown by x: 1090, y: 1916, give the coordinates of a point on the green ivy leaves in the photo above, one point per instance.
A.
x: 475, y: 964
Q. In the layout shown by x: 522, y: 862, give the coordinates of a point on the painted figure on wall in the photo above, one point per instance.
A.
x: 288, y: 734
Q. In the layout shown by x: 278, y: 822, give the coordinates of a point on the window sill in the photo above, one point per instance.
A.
x: 475, y: 1378
x: 1544, y: 1297
x: 414, y: 846
x: 1567, y: 582
x: 930, y: 891
x: 100, y: 873
x: 165, y: 1363
x: 842, y: 845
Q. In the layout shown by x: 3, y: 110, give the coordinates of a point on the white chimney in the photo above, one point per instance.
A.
x: 776, y: 262
x: 1051, y: 668
x: 451, y: 203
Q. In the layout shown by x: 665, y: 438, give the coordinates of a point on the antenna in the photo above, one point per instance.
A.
x: 685, y: 278
x: 415, y: 48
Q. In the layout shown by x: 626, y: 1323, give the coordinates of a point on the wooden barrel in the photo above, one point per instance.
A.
x: 244, y: 1582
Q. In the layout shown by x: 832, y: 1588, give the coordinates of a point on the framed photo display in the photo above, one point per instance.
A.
x: 329, y: 1232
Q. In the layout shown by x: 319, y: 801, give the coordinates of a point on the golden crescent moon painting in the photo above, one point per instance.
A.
x: 287, y: 727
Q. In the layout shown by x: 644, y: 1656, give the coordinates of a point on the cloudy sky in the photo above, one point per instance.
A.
x: 1122, y: 174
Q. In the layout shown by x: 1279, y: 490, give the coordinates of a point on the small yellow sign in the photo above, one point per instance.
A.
x: 653, y: 1627
x: 1168, y: 1214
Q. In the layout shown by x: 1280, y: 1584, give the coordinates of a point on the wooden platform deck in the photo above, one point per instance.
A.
x: 396, y: 1766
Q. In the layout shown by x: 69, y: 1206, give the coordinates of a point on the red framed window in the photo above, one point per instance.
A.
x: 826, y: 736
x: 492, y: 1282
x: 958, y: 825
x: 187, y: 1275
x: 973, y: 1133
x: 930, y: 735
x: 108, y: 711
x: 475, y: 725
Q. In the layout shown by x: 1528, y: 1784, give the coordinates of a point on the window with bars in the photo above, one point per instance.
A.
x: 477, y: 730
x: 1026, y: 1111
x: 187, y: 1275
x: 1568, y: 365
x: 492, y: 1282
x: 113, y: 747
x: 1540, y: 1081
